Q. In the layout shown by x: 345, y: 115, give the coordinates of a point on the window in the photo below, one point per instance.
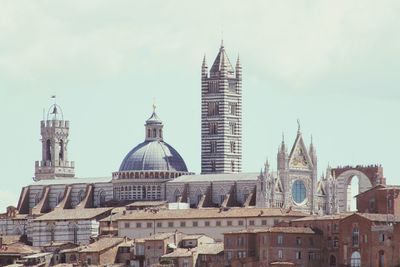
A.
x: 251, y: 222
x: 213, y: 147
x: 232, y: 128
x: 335, y: 242
x: 264, y: 222
x: 229, y: 223
x: 280, y: 254
x: 229, y: 255
x: 390, y: 203
x: 365, y: 238
x: 232, y: 86
x: 185, y: 263
x: 183, y: 224
x: 381, y: 237
x: 213, y: 108
x: 298, y: 255
x: 232, y: 166
x: 381, y: 258
x: 159, y: 224
x: 241, y: 254
x: 170, y: 224
x: 240, y: 241
x: 218, y: 223
x: 206, y: 223
x: 335, y: 227
x: 149, y: 225
x: 195, y: 224
x: 298, y: 241
x: 372, y: 204
x: 298, y: 192
x: 280, y: 239
x: 213, y: 128
x: 355, y: 236
x: 138, y: 225
x: 355, y: 260
x: 332, y: 261
x: 311, y: 241
x: 213, y: 166
x: 232, y: 147
x: 240, y: 223
x: 213, y: 87
x: 232, y: 109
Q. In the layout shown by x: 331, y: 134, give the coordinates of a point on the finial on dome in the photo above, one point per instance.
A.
x: 154, y: 105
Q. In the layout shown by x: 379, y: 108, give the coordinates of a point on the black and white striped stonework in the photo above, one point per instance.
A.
x: 221, y: 116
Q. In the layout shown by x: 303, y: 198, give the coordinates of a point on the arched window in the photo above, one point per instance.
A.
x: 148, y: 133
x: 154, y: 133
x: 381, y: 258
x: 355, y: 260
x: 356, y: 236
x: 160, y: 133
x: 48, y: 150
x: 332, y: 261
x: 61, y: 154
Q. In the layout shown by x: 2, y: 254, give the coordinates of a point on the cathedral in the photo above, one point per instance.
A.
x: 154, y: 171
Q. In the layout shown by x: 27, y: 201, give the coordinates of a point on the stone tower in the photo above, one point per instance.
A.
x: 221, y: 116
x: 54, y: 132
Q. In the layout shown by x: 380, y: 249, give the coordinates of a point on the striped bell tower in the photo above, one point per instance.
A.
x: 221, y: 116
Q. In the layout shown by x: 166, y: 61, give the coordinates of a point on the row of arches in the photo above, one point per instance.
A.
x: 152, y: 174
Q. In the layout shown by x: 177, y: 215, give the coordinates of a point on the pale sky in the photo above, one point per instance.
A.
x: 332, y: 64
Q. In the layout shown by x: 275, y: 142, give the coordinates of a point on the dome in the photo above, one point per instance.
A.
x: 155, y: 155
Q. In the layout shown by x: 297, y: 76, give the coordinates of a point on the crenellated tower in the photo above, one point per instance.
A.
x: 54, y: 132
x: 221, y: 115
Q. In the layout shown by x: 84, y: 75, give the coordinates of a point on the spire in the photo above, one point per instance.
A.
x: 204, y: 64
x: 222, y: 64
x: 283, y: 145
x: 298, y: 127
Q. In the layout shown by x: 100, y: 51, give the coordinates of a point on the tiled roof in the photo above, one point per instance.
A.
x: 212, y: 213
x: 72, y: 214
x: 159, y: 236
x: 18, y: 249
x: 191, y: 237
x: 249, y: 176
x: 288, y: 230
x: 211, y: 248
x: 377, y: 217
x: 146, y: 203
x: 62, y: 181
x: 180, y: 252
x: 9, y: 239
x: 102, y: 244
x: 324, y: 217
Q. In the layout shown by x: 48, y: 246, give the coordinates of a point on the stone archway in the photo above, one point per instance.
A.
x: 368, y: 176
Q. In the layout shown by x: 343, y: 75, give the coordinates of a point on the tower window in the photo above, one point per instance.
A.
x: 213, y: 166
x: 232, y: 127
x: 148, y: 133
x: 48, y: 150
x: 232, y: 108
x: 61, y: 154
x: 213, y: 108
x: 160, y: 132
x: 213, y: 87
x: 154, y: 133
x: 213, y: 147
x: 213, y: 128
x: 232, y: 146
x: 232, y: 166
x: 232, y: 86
